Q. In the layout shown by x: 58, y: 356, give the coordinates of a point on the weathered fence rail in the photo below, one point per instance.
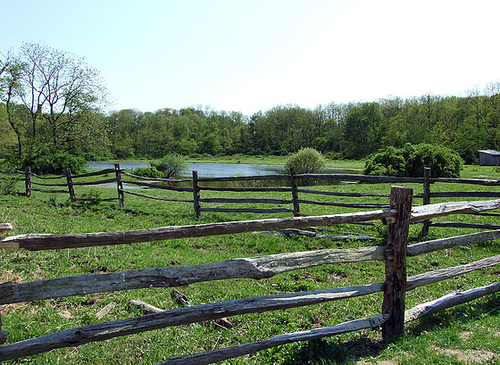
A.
x: 392, y: 318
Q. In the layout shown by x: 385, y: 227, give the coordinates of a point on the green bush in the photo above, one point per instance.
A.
x: 305, y: 161
x: 46, y: 160
x: 171, y: 165
x: 148, y: 171
x: 411, y: 160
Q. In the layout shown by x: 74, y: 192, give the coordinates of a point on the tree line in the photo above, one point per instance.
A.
x: 54, y: 101
x: 354, y: 130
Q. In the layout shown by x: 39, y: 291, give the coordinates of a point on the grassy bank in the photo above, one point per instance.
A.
x: 463, y: 334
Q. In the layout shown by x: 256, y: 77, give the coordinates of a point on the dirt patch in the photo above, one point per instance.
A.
x: 468, y: 356
x: 465, y: 336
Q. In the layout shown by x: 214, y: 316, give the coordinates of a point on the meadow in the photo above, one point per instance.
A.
x: 464, y: 334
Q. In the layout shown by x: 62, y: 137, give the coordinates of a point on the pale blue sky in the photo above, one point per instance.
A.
x: 251, y: 55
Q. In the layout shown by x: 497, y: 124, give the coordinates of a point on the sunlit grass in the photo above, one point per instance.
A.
x: 472, y: 326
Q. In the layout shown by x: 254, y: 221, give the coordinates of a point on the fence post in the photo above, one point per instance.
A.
x: 196, y: 195
x: 119, y: 185
x: 27, y: 180
x: 395, y: 263
x: 426, y: 198
x: 295, y: 193
x: 71, y: 188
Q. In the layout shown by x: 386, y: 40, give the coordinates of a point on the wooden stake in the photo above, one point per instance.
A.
x: 426, y: 198
x: 295, y: 193
x: 71, y: 187
x: 27, y: 172
x: 119, y: 186
x: 196, y: 195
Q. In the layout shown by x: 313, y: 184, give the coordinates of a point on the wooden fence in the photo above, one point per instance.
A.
x: 195, y: 186
x: 394, y: 314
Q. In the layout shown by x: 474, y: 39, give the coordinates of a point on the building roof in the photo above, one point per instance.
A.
x: 490, y: 152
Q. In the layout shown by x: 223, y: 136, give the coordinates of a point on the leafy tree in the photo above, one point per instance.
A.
x: 363, y: 131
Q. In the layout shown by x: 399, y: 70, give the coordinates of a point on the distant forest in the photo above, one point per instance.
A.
x: 354, y: 130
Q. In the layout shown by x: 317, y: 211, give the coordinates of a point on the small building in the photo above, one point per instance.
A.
x: 489, y: 158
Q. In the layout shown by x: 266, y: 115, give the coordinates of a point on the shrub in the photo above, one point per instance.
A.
x: 171, y: 165
x: 148, y: 171
x: 305, y: 161
x: 411, y: 160
x: 46, y: 160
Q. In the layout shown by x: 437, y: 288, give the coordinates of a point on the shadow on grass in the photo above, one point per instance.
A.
x: 328, y: 352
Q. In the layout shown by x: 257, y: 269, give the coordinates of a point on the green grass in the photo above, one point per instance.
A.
x: 459, y: 335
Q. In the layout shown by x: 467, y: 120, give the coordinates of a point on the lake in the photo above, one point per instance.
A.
x: 229, y: 170
x: 204, y: 169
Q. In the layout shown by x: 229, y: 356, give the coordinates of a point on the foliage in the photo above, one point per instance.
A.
x: 171, y: 165
x: 47, y: 160
x: 148, y: 171
x: 305, y: 161
x: 353, y: 130
x: 363, y: 130
x: 411, y: 160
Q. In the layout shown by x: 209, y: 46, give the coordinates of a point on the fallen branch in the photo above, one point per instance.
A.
x: 183, y: 299
x: 148, y: 308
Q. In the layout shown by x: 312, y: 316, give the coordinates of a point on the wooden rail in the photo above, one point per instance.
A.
x: 396, y: 284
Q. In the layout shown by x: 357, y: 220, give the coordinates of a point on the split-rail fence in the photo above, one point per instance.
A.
x: 392, y: 318
x: 125, y: 183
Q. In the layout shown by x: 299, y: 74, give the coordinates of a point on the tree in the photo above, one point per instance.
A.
x: 56, y: 88
x: 363, y: 131
x: 9, y: 87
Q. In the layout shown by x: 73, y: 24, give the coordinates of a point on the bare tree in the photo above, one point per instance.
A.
x: 60, y: 87
x: 52, y: 86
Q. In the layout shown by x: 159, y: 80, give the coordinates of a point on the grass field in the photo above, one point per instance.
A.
x: 465, y: 334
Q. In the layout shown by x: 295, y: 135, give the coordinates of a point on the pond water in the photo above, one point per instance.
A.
x: 204, y: 169
x: 225, y: 170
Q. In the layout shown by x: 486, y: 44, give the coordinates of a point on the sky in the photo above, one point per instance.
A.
x: 251, y: 55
